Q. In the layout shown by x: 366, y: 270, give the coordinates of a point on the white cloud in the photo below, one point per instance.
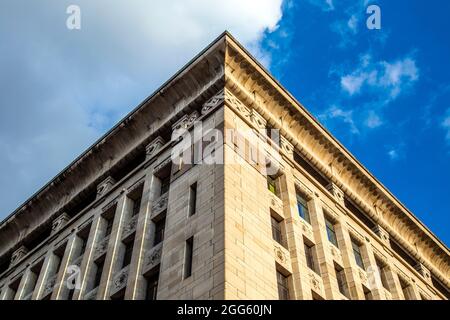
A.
x: 337, y: 113
x: 446, y: 125
x: 393, y: 154
x: 62, y: 89
x: 325, y: 5
x: 373, y: 120
x: 386, y: 78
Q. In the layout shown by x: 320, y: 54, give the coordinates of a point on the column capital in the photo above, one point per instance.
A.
x: 104, y: 186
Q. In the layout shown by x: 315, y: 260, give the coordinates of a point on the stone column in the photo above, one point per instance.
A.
x: 294, y: 237
x: 115, y: 248
x: 47, y: 272
x: 87, y: 262
x: 26, y: 284
x: 61, y: 290
x: 352, y: 270
x: 373, y: 277
x: 136, y: 285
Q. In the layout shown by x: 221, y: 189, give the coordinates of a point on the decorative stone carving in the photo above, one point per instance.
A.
x: 131, y: 225
x: 214, y: 102
x: 120, y: 280
x: 236, y: 104
x: 160, y: 204
x: 282, y: 256
x: 153, y: 147
x: 363, y: 276
x: 335, y: 252
x: 424, y: 272
x: 384, y: 236
x: 286, y: 146
x: 102, y: 246
x: 336, y: 192
x: 154, y: 256
x: 60, y: 222
x: 257, y: 120
x: 183, y: 124
x: 104, y: 186
x: 315, y: 282
x: 18, y: 255
x: 307, y: 229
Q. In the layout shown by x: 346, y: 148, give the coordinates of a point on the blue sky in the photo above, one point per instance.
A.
x: 385, y: 94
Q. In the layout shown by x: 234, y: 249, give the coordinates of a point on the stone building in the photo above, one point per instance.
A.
x: 126, y: 221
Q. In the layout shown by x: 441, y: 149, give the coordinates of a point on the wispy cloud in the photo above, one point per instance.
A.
x: 325, y: 5
x: 388, y: 78
x: 446, y: 125
x: 335, y: 113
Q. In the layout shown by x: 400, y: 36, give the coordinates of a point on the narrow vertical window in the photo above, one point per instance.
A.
x: 309, y: 253
x: 127, y: 254
x: 331, y: 233
x: 272, y: 185
x: 136, y: 206
x: 382, y: 273
x: 152, y: 287
x: 165, y: 184
x: 159, y: 231
x: 341, y: 281
x: 98, y: 273
x: 192, y: 199
x: 276, y: 230
x: 302, y: 206
x: 283, y: 287
x: 188, y: 257
x: 357, y: 254
x: 405, y: 289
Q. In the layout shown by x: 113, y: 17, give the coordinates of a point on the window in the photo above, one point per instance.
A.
x: 330, y: 231
x: 405, y: 289
x: 159, y: 231
x: 357, y: 253
x: 109, y: 225
x: 382, y: 273
x: 309, y: 253
x: 136, y: 206
x: 272, y: 185
x: 342, y: 283
x: 127, y: 254
x: 276, y: 230
x: 152, y: 287
x: 98, y: 273
x: 188, y: 257
x: 165, y: 184
x: 302, y: 207
x: 283, y: 287
x: 367, y: 294
x: 192, y: 199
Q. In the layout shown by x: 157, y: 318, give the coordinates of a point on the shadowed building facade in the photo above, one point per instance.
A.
x: 125, y: 221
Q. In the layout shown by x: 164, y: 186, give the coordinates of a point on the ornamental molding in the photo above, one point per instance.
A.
x: 17, y: 255
x: 105, y: 186
x: 152, y: 148
x: 60, y: 222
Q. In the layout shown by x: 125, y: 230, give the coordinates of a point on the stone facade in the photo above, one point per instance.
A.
x: 125, y: 221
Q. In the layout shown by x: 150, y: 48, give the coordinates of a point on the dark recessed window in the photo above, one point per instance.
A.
x: 357, y: 253
x: 272, y: 185
x: 159, y: 231
x: 341, y: 281
x: 189, y: 251
x: 128, y: 253
x: 98, y: 273
x: 192, y: 199
x: 136, y: 206
x: 283, y: 286
x: 152, y: 287
x: 276, y: 230
x: 302, y: 206
x: 310, y: 260
x: 331, y: 233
